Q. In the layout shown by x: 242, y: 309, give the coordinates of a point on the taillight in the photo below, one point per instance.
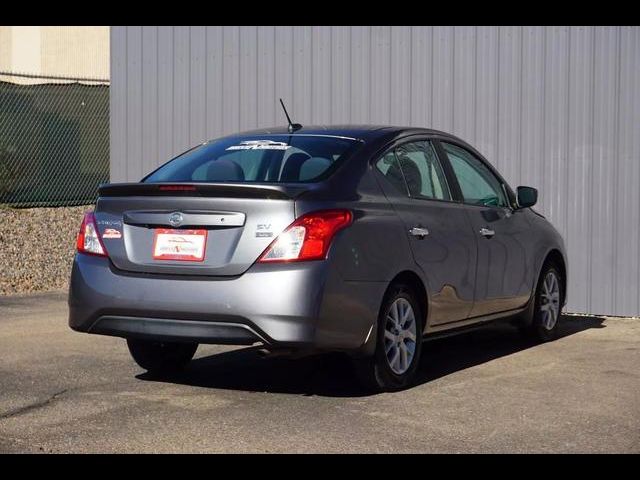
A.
x: 308, y: 238
x: 88, y: 240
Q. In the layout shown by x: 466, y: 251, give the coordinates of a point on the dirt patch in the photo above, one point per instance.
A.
x: 37, y: 247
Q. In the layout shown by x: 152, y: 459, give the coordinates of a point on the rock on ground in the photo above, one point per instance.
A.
x: 37, y: 247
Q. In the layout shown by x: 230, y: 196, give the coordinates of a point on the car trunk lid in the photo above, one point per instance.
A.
x: 238, y: 220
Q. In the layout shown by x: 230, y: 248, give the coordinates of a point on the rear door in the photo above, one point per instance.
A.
x: 501, y: 278
x: 441, y: 238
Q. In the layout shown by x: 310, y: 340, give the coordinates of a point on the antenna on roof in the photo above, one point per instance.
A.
x: 292, y: 126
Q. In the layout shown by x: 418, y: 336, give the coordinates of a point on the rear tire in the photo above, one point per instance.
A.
x: 547, y: 307
x: 398, y: 343
x: 161, y: 357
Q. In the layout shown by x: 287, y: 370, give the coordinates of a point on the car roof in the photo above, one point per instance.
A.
x: 361, y: 132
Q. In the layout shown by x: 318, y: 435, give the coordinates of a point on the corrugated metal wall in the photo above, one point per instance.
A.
x: 557, y: 108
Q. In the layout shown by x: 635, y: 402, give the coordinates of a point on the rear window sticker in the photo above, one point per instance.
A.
x: 259, y: 145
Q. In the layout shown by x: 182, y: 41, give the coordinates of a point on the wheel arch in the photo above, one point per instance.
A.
x: 413, y: 280
x: 417, y: 284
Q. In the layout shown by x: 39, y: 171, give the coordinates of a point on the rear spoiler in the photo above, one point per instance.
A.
x: 233, y: 190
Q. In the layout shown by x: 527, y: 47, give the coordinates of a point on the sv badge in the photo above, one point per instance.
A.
x: 264, y: 230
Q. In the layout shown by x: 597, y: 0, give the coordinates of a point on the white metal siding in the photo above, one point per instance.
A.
x: 557, y: 108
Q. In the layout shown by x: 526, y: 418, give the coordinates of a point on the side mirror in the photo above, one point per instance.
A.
x: 527, y: 196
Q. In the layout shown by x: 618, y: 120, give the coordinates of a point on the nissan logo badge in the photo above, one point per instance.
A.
x: 175, y: 219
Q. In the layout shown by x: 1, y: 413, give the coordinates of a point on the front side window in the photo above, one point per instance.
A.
x: 413, y: 168
x: 261, y: 158
x: 478, y: 184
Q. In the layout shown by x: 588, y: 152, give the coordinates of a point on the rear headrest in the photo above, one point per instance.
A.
x: 394, y: 174
x: 291, y: 169
x: 224, y: 171
x: 313, y: 167
x: 405, y: 170
x: 411, y: 172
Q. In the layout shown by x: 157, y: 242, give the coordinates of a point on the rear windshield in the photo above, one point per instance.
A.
x: 270, y: 158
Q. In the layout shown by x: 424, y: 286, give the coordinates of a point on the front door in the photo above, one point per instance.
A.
x: 501, y: 277
x: 440, y: 235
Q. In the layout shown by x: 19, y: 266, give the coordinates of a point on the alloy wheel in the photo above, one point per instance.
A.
x: 550, y: 300
x: 400, y: 336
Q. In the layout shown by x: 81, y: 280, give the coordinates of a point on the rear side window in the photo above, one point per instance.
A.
x: 389, y: 167
x: 266, y: 158
x: 414, y: 168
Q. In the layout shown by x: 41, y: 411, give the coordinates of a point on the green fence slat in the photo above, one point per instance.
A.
x: 54, y: 143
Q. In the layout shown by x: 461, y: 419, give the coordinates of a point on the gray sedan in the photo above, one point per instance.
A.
x: 361, y: 239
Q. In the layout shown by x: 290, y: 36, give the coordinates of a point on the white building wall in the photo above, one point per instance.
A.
x: 58, y: 51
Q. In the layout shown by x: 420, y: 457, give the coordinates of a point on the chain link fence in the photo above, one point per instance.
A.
x: 54, y: 140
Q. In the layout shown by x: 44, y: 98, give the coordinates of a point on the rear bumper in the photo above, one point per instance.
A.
x: 304, y: 305
x: 168, y: 330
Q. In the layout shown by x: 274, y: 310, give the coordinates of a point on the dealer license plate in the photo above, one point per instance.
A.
x: 185, y: 245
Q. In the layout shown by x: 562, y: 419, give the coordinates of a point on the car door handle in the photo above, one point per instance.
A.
x: 420, y: 232
x: 487, y: 232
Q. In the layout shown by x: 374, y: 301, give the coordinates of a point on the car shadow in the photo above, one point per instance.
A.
x: 331, y: 375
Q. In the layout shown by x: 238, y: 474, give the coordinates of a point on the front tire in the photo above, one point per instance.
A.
x: 161, y: 357
x: 398, y: 343
x: 549, y: 298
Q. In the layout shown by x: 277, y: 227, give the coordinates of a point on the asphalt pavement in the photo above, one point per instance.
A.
x: 485, y: 391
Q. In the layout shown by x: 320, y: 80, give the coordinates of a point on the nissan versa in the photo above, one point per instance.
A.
x: 360, y: 239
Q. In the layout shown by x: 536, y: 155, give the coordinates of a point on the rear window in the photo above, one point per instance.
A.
x: 270, y: 158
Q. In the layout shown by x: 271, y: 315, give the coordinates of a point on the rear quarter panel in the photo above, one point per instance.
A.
x: 363, y: 257
x: 375, y: 247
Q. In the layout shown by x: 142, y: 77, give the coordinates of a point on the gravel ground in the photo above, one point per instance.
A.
x: 36, y: 247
